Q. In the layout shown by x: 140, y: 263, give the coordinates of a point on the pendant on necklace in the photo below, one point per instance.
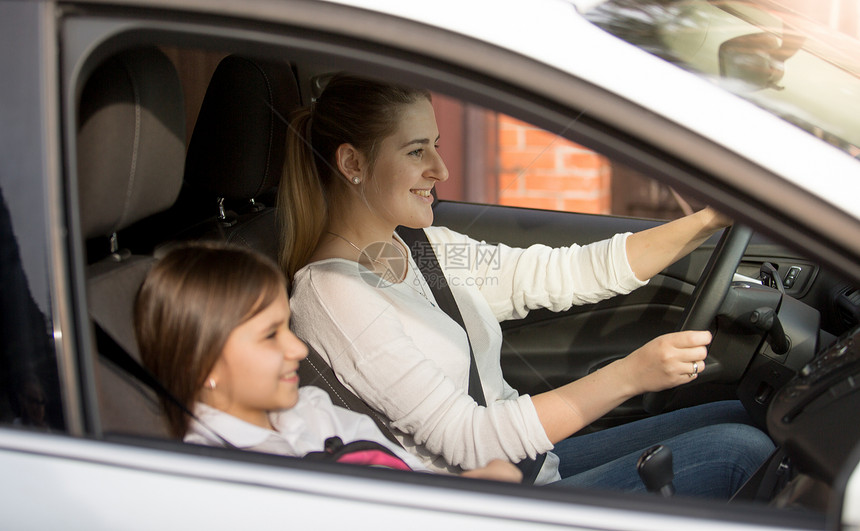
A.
x: 422, y: 292
x: 417, y: 280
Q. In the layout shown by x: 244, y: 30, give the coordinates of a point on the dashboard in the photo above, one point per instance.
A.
x: 814, y: 416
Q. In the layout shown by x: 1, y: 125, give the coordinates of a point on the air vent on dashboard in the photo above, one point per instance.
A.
x: 848, y: 305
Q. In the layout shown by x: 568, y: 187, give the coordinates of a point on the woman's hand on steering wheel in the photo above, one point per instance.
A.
x: 707, y: 298
x: 667, y: 361
x: 718, y: 220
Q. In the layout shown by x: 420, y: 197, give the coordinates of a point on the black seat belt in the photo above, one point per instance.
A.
x: 428, y: 263
x: 314, y: 370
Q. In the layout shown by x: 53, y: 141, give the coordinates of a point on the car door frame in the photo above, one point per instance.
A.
x: 504, y: 95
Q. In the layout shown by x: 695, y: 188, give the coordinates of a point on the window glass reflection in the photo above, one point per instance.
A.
x: 29, y: 386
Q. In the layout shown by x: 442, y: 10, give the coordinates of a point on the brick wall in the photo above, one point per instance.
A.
x: 540, y: 170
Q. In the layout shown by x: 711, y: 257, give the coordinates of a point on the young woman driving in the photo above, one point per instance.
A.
x: 363, y: 160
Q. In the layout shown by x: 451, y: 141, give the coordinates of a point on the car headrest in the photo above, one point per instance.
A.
x: 131, y: 141
x: 238, y: 145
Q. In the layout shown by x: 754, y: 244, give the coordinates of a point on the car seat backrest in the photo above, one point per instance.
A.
x: 236, y: 153
x: 130, y: 149
x: 130, y: 141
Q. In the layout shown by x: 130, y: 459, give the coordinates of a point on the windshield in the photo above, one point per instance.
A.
x: 764, y: 51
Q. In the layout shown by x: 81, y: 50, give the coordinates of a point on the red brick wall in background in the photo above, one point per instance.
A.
x: 511, y: 163
x: 538, y: 169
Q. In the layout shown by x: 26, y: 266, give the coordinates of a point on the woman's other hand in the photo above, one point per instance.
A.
x: 716, y: 220
x: 667, y: 361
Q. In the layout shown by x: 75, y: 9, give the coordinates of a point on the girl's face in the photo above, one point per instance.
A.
x: 256, y: 372
x: 408, y: 165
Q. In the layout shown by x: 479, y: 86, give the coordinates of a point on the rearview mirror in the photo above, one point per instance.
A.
x: 757, y: 60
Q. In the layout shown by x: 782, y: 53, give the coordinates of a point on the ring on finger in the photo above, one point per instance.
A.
x: 695, y: 369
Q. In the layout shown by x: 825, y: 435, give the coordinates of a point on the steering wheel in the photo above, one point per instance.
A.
x: 706, y: 300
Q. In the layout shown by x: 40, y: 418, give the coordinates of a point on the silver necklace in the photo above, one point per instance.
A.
x: 423, y: 293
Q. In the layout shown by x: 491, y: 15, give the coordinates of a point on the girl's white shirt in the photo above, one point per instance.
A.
x: 298, y: 430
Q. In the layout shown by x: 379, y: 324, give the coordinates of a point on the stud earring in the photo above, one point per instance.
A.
x: 210, y: 384
x: 356, y: 180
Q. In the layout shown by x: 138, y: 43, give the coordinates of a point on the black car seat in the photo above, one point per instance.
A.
x: 236, y: 155
x: 236, y: 152
x: 130, y: 149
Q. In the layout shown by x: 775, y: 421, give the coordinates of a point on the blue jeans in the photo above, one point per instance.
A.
x: 715, y: 449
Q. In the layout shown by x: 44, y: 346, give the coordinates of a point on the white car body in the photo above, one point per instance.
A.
x: 69, y: 482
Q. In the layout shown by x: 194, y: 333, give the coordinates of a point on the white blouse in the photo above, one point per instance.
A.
x: 407, y: 359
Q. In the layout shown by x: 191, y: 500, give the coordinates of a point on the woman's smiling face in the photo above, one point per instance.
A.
x: 407, y: 167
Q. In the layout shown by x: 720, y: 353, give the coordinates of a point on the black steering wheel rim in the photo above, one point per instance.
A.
x: 707, y: 297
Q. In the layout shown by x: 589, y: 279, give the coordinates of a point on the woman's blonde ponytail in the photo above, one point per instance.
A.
x: 302, y: 206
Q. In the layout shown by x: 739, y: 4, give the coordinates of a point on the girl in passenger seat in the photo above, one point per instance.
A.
x: 212, y: 323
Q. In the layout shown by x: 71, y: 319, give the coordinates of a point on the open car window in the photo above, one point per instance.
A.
x: 494, y: 158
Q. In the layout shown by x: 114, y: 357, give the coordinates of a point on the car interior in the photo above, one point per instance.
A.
x: 224, y: 191
x: 166, y: 151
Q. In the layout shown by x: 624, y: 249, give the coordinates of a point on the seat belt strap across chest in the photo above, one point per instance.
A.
x: 424, y: 255
x: 428, y: 263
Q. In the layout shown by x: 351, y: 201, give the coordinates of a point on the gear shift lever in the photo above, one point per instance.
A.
x: 655, y: 469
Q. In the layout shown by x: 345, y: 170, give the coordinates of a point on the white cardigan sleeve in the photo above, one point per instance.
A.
x: 516, y: 280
